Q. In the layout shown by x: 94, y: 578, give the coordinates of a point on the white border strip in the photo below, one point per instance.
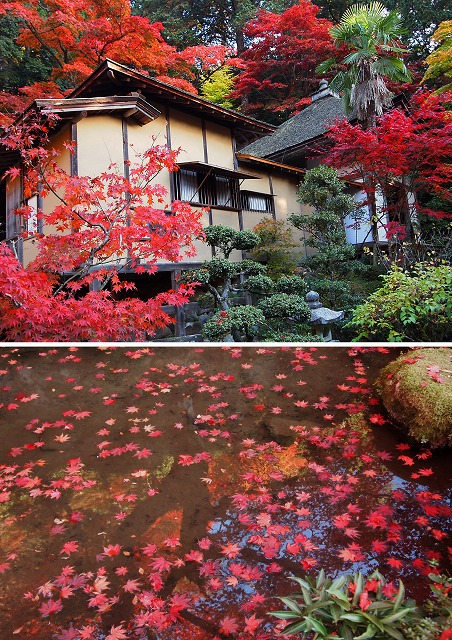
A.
x: 226, y: 345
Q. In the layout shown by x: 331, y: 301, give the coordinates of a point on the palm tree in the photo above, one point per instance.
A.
x: 371, y: 33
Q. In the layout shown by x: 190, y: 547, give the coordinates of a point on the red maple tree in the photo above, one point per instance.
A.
x: 407, y: 156
x: 100, y: 228
x: 279, y: 65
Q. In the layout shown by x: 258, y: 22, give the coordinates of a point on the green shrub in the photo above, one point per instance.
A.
x: 411, y: 305
x: 205, y: 300
x: 226, y: 239
x: 292, y: 284
x: 280, y: 264
x: 281, y: 307
x: 335, y: 294
x: 275, y: 247
x: 252, y: 268
x: 439, y: 611
x: 294, y: 334
x: 258, y: 284
x: 239, y: 321
x: 199, y: 275
x: 348, y: 608
x: 220, y: 268
x: 422, y: 629
x: 217, y: 327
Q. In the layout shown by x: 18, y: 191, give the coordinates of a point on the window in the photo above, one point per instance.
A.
x: 206, y: 188
x: 32, y: 219
x: 13, y: 202
x: 257, y: 202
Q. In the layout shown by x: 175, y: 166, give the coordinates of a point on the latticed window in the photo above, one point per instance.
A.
x: 258, y: 202
x: 210, y: 189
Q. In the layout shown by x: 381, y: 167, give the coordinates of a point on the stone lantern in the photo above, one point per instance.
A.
x: 321, y: 317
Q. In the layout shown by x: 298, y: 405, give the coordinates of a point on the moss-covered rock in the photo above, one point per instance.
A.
x: 416, y: 390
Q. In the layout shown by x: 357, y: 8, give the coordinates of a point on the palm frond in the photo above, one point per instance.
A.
x: 392, y: 24
x: 371, y: 33
x: 342, y: 81
x: 325, y: 66
x: 393, y: 68
x: 358, y: 56
x: 393, y: 49
x: 364, y: 13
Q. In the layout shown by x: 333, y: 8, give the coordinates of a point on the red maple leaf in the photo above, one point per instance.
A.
x: 112, y: 550
x: 117, y: 633
x: 228, y: 625
x: 251, y: 624
x: 393, y: 562
x: 376, y: 520
x: 149, y: 549
x: 194, y: 556
x: 131, y: 585
x: 82, y: 414
x: 49, y: 607
x: 342, y: 521
x: 425, y: 472
x: 69, y: 547
x: 230, y: 550
x: 351, y: 553
x: 160, y: 565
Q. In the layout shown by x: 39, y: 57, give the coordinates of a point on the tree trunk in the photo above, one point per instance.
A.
x: 370, y: 123
x: 372, y: 206
x: 240, y: 40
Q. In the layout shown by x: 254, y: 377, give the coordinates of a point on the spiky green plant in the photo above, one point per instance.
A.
x: 347, y: 608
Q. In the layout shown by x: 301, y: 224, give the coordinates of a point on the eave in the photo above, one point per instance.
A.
x: 244, y: 157
x: 132, y: 106
x: 285, y: 168
x: 204, y: 167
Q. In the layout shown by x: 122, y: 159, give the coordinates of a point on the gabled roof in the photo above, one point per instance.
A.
x: 115, y: 87
x: 111, y: 77
x: 313, y: 121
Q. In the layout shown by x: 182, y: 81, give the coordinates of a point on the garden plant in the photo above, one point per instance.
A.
x: 280, y: 311
x: 356, y: 607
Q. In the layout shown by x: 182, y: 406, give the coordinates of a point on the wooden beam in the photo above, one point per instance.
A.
x: 79, y: 116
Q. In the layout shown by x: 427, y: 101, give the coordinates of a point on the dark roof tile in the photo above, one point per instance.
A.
x: 313, y: 121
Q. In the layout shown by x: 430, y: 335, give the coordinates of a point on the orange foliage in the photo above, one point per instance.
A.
x: 77, y: 35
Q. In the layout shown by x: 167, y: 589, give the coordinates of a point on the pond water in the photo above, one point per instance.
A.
x: 169, y: 493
